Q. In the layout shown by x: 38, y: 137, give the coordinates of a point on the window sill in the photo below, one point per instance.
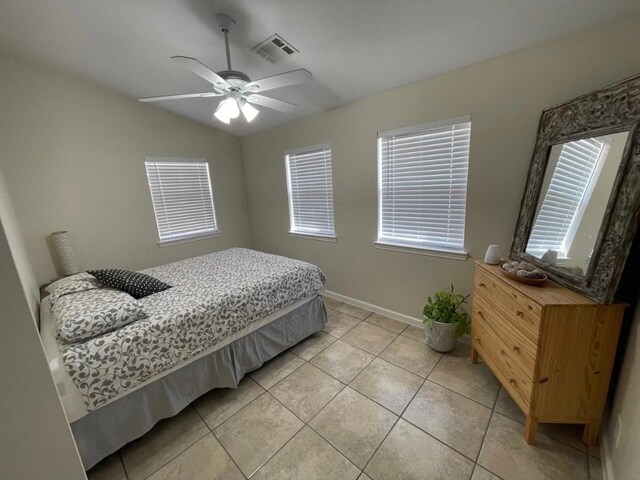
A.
x: 193, y: 238
x: 310, y: 236
x: 461, y: 256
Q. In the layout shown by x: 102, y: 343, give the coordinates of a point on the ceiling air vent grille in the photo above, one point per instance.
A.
x: 274, y: 49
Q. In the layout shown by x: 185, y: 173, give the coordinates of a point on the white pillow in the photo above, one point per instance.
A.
x: 80, y: 282
x: 86, y: 314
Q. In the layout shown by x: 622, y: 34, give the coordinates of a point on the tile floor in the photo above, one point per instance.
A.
x: 364, y: 400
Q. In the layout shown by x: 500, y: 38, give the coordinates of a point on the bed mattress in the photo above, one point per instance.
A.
x: 215, y: 299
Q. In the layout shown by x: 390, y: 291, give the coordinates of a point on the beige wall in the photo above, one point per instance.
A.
x: 504, y: 96
x: 18, y: 250
x: 623, y: 461
x: 73, y: 156
x: 36, y: 440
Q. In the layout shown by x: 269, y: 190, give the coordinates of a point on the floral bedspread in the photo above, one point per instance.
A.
x: 213, y: 296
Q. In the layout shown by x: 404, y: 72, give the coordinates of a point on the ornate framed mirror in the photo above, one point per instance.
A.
x: 581, y: 204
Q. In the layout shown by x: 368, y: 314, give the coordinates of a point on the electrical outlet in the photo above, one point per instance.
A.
x: 618, y: 432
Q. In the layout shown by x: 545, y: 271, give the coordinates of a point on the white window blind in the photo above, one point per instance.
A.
x: 310, y: 184
x: 422, y: 191
x: 182, y: 198
x: 567, y: 192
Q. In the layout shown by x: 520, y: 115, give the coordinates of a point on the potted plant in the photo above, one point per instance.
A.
x: 445, y: 320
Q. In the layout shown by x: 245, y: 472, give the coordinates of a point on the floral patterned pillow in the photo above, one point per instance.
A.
x: 80, y: 282
x: 86, y: 314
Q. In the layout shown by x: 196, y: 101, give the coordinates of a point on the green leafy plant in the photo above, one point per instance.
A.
x: 446, y: 307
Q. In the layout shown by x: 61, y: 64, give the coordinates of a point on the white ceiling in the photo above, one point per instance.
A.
x: 353, y: 48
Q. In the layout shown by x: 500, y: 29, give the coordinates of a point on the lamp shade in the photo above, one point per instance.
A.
x: 64, y: 254
x: 249, y: 111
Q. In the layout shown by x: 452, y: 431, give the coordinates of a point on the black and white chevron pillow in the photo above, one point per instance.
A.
x: 136, y: 284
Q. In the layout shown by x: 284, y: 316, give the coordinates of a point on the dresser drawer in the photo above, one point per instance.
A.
x: 515, y: 379
x: 521, y: 312
x: 507, y: 330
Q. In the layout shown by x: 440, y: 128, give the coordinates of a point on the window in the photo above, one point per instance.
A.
x: 310, y: 185
x: 182, y: 198
x: 568, y: 193
x: 422, y: 186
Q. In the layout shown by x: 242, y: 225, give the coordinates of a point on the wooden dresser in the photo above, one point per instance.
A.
x: 551, y: 348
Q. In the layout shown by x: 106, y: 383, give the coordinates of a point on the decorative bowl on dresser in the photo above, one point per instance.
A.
x: 551, y: 348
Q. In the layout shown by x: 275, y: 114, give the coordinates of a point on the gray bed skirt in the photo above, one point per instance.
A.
x: 109, y: 428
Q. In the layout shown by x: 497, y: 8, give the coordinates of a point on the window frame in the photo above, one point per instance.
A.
x: 386, y: 243
x: 300, y: 233
x: 191, y: 237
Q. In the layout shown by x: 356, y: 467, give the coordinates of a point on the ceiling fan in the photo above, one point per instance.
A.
x: 237, y: 88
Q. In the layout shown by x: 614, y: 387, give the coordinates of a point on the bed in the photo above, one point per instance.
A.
x: 226, y: 314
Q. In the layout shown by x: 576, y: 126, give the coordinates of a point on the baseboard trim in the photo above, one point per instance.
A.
x: 401, y: 317
x: 605, y: 450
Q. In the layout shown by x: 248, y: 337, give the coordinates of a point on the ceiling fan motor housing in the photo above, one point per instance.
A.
x: 235, y: 78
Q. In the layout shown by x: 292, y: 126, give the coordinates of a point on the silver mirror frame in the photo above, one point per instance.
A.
x: 613, y: 109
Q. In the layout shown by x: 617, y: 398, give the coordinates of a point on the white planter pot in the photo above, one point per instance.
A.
x: 440, y: 336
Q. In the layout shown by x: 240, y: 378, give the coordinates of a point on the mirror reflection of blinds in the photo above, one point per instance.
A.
x: 182, y: 199
x: 423, y: 185
x: 309, y: 175
x: 566, y: 192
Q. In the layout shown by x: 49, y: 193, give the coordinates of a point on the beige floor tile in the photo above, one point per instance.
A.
x: 313, y: 345
x: 342, y: 361
x: 354, y: 425
x: 595, y: 469
x: 473, y: 381
x: 219, y: 404
x: 390, y: 386
x: 339, y: 323
x: 364, y: 476
x: 385, y: 322
x: 307, y: 457
x: 411, y: 355
x: 410, y: 454
x: 256, y: 432
x: 480, y: 473
x: 330, y: 302
x: 206, y: 460
x: 450, y: 417
x: 505, y: 453
x: 306, y: 391
x: 595, y: 451
x: 507, y: 407
x: 276, y: 369
x: 108, y: 469
x: 168, y: 439
x: 417, y: 333
x: 369, y: 338
x: 354, y: 311
x: 569, y: 434
x: 463, y: 350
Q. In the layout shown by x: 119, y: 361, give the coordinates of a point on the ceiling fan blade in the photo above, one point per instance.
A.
x: 271, y: 103
x: 179, y: 96
x: 283, y: 80
x: 202, y: 70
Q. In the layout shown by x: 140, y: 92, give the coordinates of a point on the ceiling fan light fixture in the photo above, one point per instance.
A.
x: 249, y: 111
x: 227, y: 109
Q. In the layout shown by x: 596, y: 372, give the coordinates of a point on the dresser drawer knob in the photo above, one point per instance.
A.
x: 512, y: 381
x: 482, y: 284
x: 519, y: 314
x: 516, y: 349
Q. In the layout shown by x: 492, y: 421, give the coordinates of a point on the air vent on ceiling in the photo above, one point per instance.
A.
x: 274, y: 49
